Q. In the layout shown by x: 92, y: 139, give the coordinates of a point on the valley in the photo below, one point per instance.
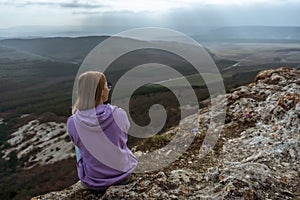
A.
x: 36, y: 83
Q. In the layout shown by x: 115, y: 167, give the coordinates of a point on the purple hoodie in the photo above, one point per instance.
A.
x: 101, y: 136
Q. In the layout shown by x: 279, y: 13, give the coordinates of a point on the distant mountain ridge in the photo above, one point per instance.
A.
x: 59, y: 48
x: 199, y: 33
x: 261, y: 32
x: 250, y: 34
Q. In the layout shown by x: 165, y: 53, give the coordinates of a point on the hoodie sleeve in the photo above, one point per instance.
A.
x: 122, y: 120
x: 72, y: 130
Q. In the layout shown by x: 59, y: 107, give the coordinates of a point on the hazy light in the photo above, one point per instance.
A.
x: 136, y: 5
x: 148, y: 12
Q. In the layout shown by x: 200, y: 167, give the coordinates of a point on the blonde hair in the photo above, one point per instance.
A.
x: 89, y: 90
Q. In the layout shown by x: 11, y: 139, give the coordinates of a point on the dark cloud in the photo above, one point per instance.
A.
x: 74, y: 4
x: 79, y: 5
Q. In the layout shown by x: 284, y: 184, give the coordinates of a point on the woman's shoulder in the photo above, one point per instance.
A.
x: 113, y: 108
x: 120, y: 117
x: 118, y: 111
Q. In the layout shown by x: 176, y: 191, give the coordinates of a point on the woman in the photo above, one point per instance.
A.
x: 99, y: 132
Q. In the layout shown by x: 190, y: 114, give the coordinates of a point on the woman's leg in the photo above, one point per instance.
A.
x: 77, y: 153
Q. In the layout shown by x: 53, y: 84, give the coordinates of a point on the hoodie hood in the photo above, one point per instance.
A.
x: 92, y: 118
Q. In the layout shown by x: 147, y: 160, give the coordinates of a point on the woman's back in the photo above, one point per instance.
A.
x: 114, y: 123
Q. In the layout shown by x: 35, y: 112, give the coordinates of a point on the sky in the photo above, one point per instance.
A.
x: 141, y: 13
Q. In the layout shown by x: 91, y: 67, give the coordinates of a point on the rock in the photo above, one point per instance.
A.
x: 37, y: 143
x: 212, y: 174
x: 73, y: 191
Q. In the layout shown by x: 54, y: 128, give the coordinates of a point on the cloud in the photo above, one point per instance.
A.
x: 138, y: 5
x: 74, y: 4
x: 139, y: 13
x: 58, y: 3
x: 79, y: 5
